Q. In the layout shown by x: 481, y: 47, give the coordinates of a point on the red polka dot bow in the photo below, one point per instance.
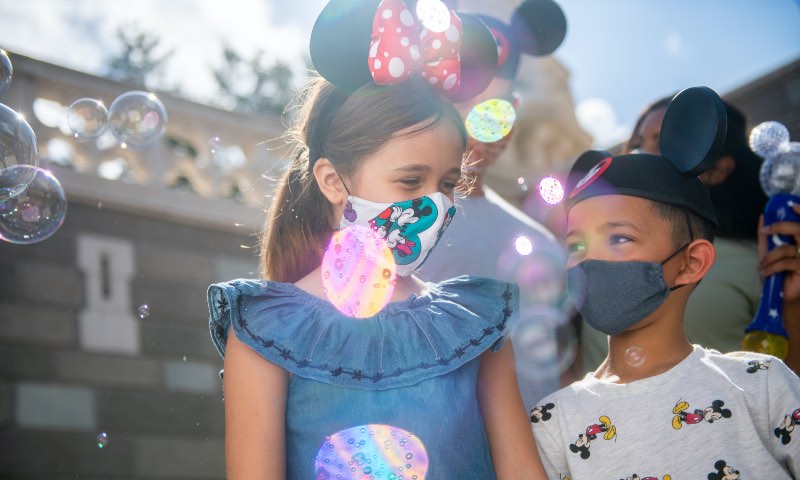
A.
x: 401, y: 48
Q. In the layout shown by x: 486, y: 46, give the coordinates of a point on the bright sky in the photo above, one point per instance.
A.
x: 621, y: 53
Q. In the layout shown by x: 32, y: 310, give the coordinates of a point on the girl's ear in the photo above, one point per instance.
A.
x: 330, y: 184
x: 700, y: 255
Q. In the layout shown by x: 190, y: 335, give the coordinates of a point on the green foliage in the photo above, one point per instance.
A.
x: 252, y: 85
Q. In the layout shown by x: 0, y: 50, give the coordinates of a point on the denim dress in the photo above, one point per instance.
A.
x: 392, y: 396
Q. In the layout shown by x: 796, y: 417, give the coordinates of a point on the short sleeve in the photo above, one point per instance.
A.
x: 547, y: 442
x: 783, y: 390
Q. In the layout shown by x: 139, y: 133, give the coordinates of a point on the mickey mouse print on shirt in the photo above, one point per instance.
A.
x: 724, y: 472
x: 709, y: 414
x: 542, y: 413
x: 756, y: 365
x: 637, y: 477
x: 584, y: 441
x: 786, y: 428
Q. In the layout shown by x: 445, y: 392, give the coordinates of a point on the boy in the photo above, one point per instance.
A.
x: 639, y: 236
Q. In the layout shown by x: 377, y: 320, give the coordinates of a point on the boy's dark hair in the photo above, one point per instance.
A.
x: 686, y: 226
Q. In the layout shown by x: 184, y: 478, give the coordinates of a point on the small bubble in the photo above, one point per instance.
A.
x: 635, y: 357
x: 144, y: 311
x: 523, y: 245
x: 102, y: 440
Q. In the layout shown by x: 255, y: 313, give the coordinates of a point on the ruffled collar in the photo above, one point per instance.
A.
x: 406, y: 342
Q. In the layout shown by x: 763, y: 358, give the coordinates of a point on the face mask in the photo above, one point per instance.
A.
x: 411, y: 228
x: 614, y: 296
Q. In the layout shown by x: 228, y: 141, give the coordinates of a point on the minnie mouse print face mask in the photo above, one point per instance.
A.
x: 411, y: 228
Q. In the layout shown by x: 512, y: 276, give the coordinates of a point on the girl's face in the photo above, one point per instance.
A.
x: 411, y: 166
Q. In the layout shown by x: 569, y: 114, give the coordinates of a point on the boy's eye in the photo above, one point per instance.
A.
x: 619, y: 239
x: 575, y: 247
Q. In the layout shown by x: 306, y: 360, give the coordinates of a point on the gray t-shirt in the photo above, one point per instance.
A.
x: 712, y: 416
x: 488, y: 237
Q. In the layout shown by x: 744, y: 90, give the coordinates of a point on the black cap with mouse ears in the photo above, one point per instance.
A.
x: 340, y: 47
x: 692, y: 136
x: 537, y: 27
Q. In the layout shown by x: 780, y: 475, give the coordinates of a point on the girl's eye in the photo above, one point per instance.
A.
x: 448, y: 186
x: 410, y: 182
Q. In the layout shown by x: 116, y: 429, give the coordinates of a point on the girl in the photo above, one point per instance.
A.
x: 424, y: 388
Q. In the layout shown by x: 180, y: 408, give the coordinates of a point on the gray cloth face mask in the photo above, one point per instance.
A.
x: 614, y: 296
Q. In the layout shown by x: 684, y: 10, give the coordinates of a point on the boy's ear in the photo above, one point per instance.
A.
x: 330, y: 184
x: 699, y: 257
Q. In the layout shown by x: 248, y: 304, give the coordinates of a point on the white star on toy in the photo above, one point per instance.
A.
x: 773, y: 312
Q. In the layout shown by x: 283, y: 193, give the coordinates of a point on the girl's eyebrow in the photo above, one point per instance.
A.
x: 424, y: 168
x: 413, y: 168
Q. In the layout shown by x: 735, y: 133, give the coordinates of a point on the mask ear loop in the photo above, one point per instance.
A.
x: 691, y: 239
x: 343, y: 184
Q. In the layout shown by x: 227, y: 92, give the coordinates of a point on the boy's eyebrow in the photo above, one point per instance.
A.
x: 608, y: 226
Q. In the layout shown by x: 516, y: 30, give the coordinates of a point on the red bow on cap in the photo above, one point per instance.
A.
x: 399, y: 50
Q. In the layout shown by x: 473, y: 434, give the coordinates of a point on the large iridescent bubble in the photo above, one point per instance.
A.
x: 87, y: 118
x: 491, y: 120
x: 6, y: 71
x: 137, y: 119
x: 358, y: 271
x: 17, y: 147
x: 36, y: 213
x: 780, y: 173
x: 372, y: 452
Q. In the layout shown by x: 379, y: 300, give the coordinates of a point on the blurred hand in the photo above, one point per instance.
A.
x: 785, y: 258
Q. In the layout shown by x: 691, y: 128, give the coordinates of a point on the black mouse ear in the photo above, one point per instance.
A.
x: 478, y: 58
x: 340, y: 42
x: 539, y: 26
x: 694, y: 130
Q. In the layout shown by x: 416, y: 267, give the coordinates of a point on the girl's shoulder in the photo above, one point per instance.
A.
x: 408, y: 341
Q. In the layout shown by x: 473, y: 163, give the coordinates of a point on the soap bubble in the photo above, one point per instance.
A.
x: 767, y: 138
x: 102, y: 440
x: 371, y: 452
x: 781, y: 172
x: 17, y: 147
x: 491, y: 120
x: 137, y: 118
x: 6, y: 71
x: 523, y: 245
x: 551, y: 190
x: 434, y: 15
x: 87, y: 118
x: 635, y: 356
x: 143, y: 311
x: 37, y: 212
x: 358, y: 271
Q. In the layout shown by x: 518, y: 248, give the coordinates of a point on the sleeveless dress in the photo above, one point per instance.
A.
x: 392, y: 396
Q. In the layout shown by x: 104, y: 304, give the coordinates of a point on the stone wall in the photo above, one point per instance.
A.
x: 156, y: 394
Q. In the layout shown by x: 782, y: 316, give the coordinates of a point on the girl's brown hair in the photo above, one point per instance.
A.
x: 345, y: 129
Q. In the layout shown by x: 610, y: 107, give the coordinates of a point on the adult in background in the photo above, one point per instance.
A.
x: 489, y: 237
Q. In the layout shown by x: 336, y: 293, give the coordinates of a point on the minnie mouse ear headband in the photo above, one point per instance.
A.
x: 692, y: 136
x: 537, y: 28
x: 356, y: 42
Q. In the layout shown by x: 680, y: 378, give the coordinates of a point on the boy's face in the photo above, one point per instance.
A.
x: 618, y: 228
